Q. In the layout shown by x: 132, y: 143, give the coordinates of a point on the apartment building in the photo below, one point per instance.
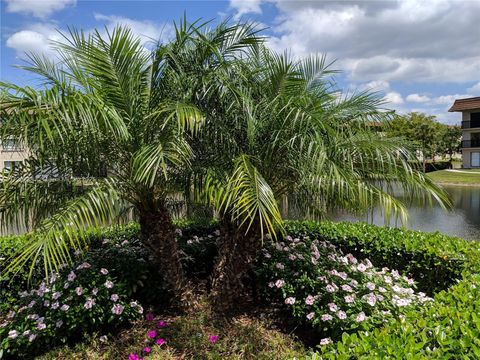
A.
x: 470, y: 109
x: 12, y: 153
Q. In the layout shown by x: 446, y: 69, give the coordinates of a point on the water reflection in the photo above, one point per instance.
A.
x: 463, y: 220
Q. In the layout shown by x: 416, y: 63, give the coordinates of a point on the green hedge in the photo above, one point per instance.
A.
x: 448, y: 328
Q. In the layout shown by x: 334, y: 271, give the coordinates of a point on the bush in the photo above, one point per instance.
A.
x: 331, y: 291
x: 438, y: 165
x: 74, y: 303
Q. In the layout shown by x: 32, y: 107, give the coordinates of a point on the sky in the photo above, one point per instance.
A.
x: 421, y: 54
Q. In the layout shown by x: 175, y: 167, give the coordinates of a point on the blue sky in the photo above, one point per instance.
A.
x: 422, y: 54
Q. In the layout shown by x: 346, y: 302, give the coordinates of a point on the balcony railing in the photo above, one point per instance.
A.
x: 470, y: 124
x: 470, y: 143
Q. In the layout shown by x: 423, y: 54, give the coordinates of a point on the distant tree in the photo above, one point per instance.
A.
x: 422, y: 130
x: 450, y: 140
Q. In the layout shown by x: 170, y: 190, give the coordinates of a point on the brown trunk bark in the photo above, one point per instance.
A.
x: 236, y: 254
x: 158, y: 234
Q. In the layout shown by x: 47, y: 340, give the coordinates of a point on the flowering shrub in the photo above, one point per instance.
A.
x: 331, y: 291
x: 73, y: 303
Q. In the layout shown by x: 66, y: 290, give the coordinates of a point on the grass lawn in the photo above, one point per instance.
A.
x: 464, y: 176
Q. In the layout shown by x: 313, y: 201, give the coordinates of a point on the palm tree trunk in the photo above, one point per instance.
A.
x: 158, y: 234
x: 236, y: 254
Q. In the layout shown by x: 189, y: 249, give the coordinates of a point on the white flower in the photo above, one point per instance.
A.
x: 382, y: 289
x: 349, y: 299
x: 280, y: 266
x: 360, y: 317
x: 325, y: 341
x: 56, y: 295
x: 108, y: 284
x: 64, y: 307
x: 103, y: 338
x: 94, y: 291
x: 71, y: 276
x: 31, y: 304
x: 26, y: 333
x: 85, y: 265
x: 32, y: 337
x: 41, y: 326
x: 279, y: 283
x: 271, y: 284
x: 33, y: 317
x: 333, y: 307
x: 79, y: 290
x: 310, y: 316
x: 370, y: 286
x: 55, y: 305
x: 46, y: 303
x: 59, y: 323
x: 361, y: 268
x: 290, y: 301
x: 12, y: 334
x: 104, y: 271
x: 114, y: 297
x: 347, y: 288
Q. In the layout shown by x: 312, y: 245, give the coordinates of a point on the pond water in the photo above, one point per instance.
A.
x: 462, y: 221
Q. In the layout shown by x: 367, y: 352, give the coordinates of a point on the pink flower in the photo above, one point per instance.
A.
x: 104, y: 271
x: 41, y: 326
x: 161, y: 324
x: 79, y: 290
x: 309, y: 300
x: 152, y: 334
x: 71, y: 276
x: 333, y: 307
x: 213, y: 338
x: 326, y: 317
x: 325, y: 341
x: 114, y: 297
x: 371, y: 299
x: 279, y: 283
x: 108, y: 284
x: 310, y: 316
x: 149, y: 316
x: 32, y: 337
x: 361, y: 268
x: 117, y: 309
x: 89, y: 303
x: 133, y: 357
x: 280, y: 266
x: 349, y: 299
x: 341, y: 315
x: 290, y: 301
x: 147, y: 350
x: 360, y: 317
x: 347, y: 288
x: 370, y: 286
x: 160, y: 341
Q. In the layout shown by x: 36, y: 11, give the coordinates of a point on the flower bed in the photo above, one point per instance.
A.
x: 329, y: 276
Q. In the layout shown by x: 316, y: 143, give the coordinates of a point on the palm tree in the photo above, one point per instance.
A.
x: 119, y: 115
x: 292, y: 134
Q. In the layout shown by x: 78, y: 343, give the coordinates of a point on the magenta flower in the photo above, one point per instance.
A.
x: 152, y: 334
x: 160, y: 341
x: 213, y: 338
x: 147, y: 350
x: 149, y: 316
x: 133, y: 357
x: 161, y: 324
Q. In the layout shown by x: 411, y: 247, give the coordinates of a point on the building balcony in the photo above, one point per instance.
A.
x: 470, y: 143
x: 471, y: 124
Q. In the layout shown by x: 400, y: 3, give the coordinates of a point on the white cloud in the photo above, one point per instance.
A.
x: 38, y: 8
x: 475, y: 89
x: 394, y: 97
x: 36, y: 38
x: 147, y: 31
x: 243, y: 7
x: 408, y: 40
x: 417, y: 98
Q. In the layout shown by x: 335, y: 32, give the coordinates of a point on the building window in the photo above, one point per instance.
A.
x: 11, y: 145
x: 475, y: 159
x: 10, y: 165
